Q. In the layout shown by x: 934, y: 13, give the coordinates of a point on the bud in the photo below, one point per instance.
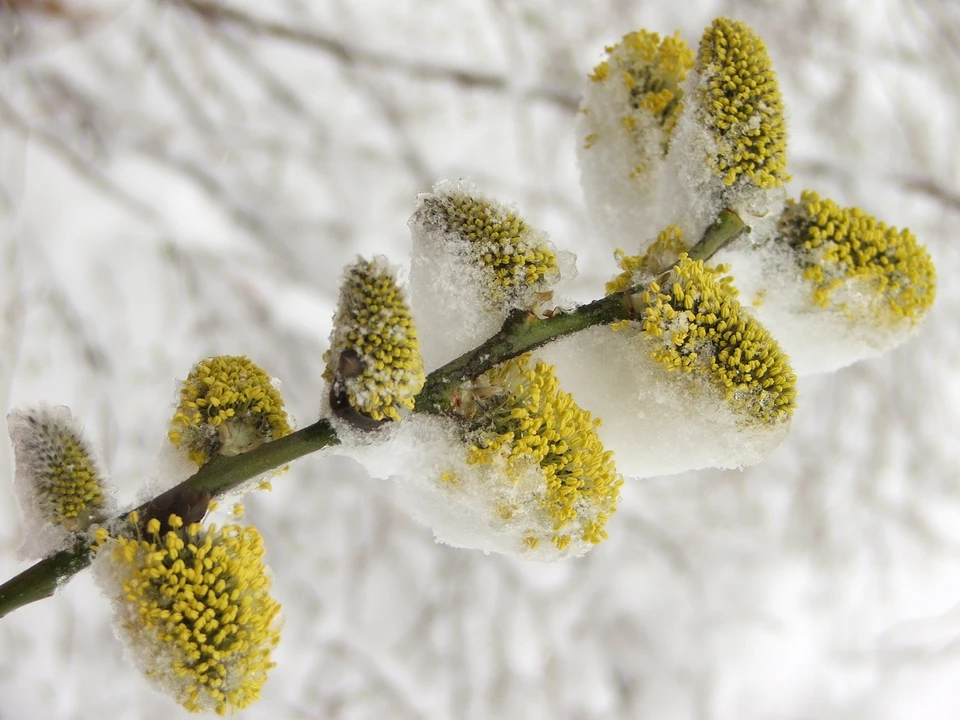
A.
x: 835, y: 284
x: 694, y: 381
x: 374, y: 363
x: 630, y: 106
x: 60, y: 485
x: 227, y: 406
x: 475, y: 260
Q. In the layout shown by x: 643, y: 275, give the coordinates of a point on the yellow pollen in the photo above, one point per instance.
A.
x: 202, y: 597
x: 53, y: 458
x: 530, y: 420
x: 650, y: 69
x: 739, y: 102
x: 513, y: 256
x: 637, y: 269
x: 698, y: 326
x: 837, y: 246
x: 228, y: 405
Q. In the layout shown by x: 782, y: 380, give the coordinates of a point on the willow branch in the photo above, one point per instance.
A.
x: 217, y: 477
x: 521, y: 333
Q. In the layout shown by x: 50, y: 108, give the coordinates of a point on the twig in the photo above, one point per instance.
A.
x: 521, y: 332
x: 217, y: 478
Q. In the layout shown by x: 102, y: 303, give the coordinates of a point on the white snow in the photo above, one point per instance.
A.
x: 655, y: 421
x: 425, y: 458
x: 821, y: 584
x: 816, y: 339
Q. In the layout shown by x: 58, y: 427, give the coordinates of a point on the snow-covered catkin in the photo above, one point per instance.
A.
x: 701, y: 329
x: 374, y: 363
x: 524, y: 425
x: 730, y: 145
x: 630, y: 106
x: 474, y: 260
x: 226, y: 406
x: 194, y: 606
x: 738, y: 101
x: 838, y: 247
x: 693, y: 381
x: 60, y: 484
x: 834, y: 283
x: 515, y: 466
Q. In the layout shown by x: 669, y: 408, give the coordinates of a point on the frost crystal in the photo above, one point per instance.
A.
x: 629, y: 110
x: 227, y: 406
x: 694, y: 382
x: 474, y: 260
x: 58, y: 479
x: 194, y: 605
x: 834, y: 283
x: 374, y: 361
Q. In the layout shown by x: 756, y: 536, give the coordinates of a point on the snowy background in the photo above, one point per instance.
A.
x: 179, y: 180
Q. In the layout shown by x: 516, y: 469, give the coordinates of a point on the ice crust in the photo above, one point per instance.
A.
x: 816, y: 339
x: 655, y: 421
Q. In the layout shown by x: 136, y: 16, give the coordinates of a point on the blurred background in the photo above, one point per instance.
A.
x: 180, y: 179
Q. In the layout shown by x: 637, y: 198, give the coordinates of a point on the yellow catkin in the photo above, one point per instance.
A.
x: 514, y: 258
x: 374, y: 327
x: 57, y: 465
x: 651, y: 69
x: 198, y: 607
x: 698, y: 326
x: 227, y: 405
x: 838, y: 246
x: 532, y: 420
x: 74, y: 486
x: 739, y: 102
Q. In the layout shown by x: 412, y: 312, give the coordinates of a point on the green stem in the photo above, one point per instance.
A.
x: 521, y: 332
x: 725, y: 229
x: 42, y: 579
x: 218, y: 477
